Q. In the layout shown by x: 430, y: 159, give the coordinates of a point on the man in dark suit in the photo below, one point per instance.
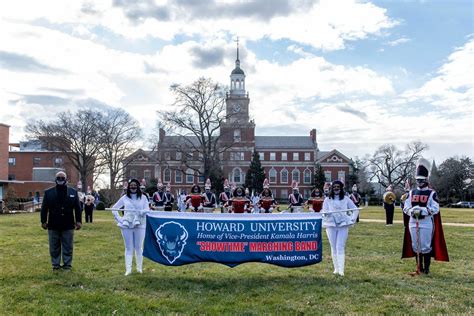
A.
x: 61, y: 214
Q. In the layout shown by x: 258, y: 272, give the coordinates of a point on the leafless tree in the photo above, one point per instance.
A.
x: 74, y: 134
x: 390, y: 165
x: 195, y: 126
x: 119, y: 134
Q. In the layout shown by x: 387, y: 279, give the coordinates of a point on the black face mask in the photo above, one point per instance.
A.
x: 133, y: 191
x: 61, y: 181
x: 337, y: 191
x: 422, y: 183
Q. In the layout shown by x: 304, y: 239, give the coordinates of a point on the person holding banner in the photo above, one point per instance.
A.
x: 132, y: 223
x: 209, y: 198
x: 295, y: 200
x: 225, y: 197
x: 424, y: 237
x: 339, y: 213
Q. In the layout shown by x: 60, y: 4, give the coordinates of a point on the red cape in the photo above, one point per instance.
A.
x: 438, y: 244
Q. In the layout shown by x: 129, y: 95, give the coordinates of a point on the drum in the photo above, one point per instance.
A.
x: 317, y: 205
x: 297, y: 209
x: 266, y: 204
x: 208, y: 210
x: 239, y: 206
x: 196, y: 200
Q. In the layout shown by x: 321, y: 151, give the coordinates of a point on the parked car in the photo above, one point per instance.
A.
x: 462, y: 204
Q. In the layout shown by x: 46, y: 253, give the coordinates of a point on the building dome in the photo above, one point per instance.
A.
x: 237, y: 71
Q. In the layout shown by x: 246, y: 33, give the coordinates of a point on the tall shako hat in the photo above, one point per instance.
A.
x: 168, y: 187
x: 226, y: 184
x: 143, y: 184
x: 159, y: 184
x: 294, y: 185
x: 422, y: 169
x: 208, y: 184
x: 266, y: 184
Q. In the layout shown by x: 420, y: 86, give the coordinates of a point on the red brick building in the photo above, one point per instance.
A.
x: 285, y: 158
x: 29, y: 167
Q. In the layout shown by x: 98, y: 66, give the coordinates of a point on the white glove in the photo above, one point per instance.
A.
x: 415, y: 211
x: 117, y: 217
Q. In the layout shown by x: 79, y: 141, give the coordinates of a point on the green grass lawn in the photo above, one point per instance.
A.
x: 376, y: 280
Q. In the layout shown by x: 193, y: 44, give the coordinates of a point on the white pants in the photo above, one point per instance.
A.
x: 337, y: 239
x: 426, y: 234
x: 133, y: 239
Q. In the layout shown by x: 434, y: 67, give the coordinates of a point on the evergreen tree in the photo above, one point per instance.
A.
x: 319, y: 178
x: 434, y: 176
x: 255, y: 174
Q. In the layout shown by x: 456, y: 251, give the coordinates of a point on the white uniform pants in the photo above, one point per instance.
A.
x: 337, y: 239
x: 426, y: 234
x: 133, y: 239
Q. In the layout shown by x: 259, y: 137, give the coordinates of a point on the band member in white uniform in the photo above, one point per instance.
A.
x: 295, y: 200
x: 208, y: 198
x: 225, y: 197
x: 132, y: 224
x: 337, y: 223
x: 422, y: 207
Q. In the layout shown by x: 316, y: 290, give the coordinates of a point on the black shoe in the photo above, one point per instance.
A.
x: 56, y: 268
x: 427, y: 262
x: 66, y: 268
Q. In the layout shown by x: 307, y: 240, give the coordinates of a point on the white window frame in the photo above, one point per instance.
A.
x: 272, y: 156
x: 12, y: 161
x: 261, y: 156
x: 133, y: 174
x: 147, y: 174
x: 190, y: 173
x: 306, y: 171
x: 341, y: 175
x: 307, y: 156
x: 167, y: 155
x: 281, y: 176
x: 176, y: 174
x: 284, y: 193
x: 272, y: 174
x: 167, y: 175
x: 237, y: 172
x: 293, y: 178
x: 328, y: 176
x: 179, y: 155
x: 237, y: 135
x: 296, y: 156
x: 284, y: 156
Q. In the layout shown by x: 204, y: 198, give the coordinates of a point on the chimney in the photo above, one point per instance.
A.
x: 4, y: 141
x: 312, y: 134
x: 162, y: 135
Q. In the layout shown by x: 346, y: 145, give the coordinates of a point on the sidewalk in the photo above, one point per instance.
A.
x: 401, y: 222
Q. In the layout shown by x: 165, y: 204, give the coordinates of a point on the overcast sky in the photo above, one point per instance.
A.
x: 363, y: 73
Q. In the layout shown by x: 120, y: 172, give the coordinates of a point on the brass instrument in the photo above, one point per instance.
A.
x: 389, y: 197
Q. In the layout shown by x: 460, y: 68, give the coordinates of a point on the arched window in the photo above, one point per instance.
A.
x: 237, y: 175
x: 167, y: 175
x: 178, y: 176
x: 307, y: 176
x: 295, y: 175
x: 272, y: 175
x: 284, y: 176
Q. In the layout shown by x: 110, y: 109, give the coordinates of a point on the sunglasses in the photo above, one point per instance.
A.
x: 60, y: 178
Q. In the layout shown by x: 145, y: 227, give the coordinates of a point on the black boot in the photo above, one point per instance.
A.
x: 427, y: 262
x: 421, y: 263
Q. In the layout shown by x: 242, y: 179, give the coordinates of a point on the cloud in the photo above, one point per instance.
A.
x: 43, y: 100
x: 363, y: 116
x: 139, y: 10
x: 23, y: 63
x: 398, y: 41
x: 205, y: 57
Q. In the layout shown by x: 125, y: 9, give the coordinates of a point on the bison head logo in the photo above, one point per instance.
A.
x: 171, y: 238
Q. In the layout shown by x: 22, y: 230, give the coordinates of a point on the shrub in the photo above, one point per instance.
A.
x: 100, y: 206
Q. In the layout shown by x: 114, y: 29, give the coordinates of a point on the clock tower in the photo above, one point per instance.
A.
x: 237, y: 101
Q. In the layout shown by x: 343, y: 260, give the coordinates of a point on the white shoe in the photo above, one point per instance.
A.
x: 128, y: 264
x: 340, y: 264
x: 334, y: 263
x: 139, y: 261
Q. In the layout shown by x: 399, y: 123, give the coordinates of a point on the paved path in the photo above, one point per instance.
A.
x: 401, y: 222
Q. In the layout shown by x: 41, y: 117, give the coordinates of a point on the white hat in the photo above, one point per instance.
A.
x: 168, y: 187
x: 226, y: 184
x: 294, y: 185
x: 159, y: 184
x: 208, y: 184
x: 422, y: 169
x: 266, y: 184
